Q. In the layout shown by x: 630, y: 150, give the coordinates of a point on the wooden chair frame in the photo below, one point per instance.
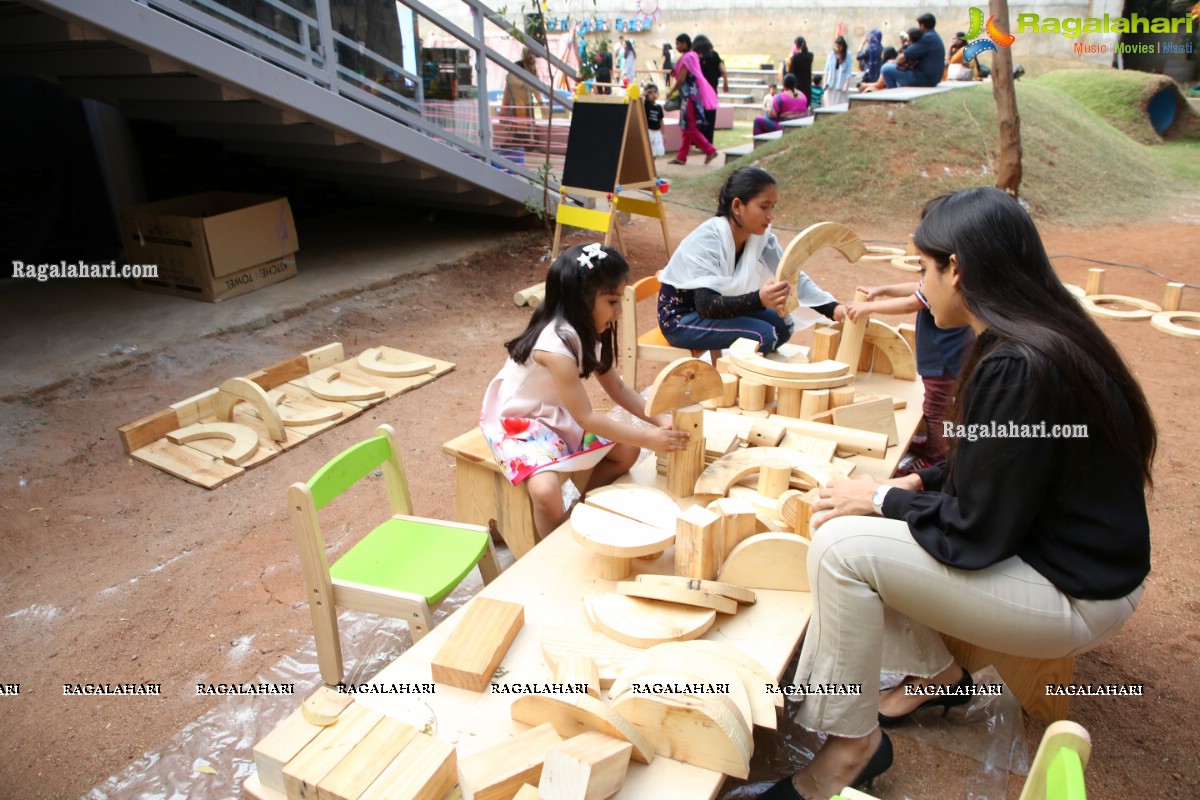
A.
x: 649, y: 345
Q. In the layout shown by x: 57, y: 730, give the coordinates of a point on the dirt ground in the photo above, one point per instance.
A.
x: 114, y: 572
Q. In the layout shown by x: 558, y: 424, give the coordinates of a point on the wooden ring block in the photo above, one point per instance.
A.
x: 372, y: 360
x: 789, y: 383
x: 808, y: 241
x: 1165, y: 322
x: 1143, y: 309
x: 644, y: 623
x: 236, y: 390
x: 244, y: 439
x: 321, y: 384
x: 280, y: 401
x: 907, y: 263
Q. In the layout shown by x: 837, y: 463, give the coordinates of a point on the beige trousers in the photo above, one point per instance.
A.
x: 879, y: 600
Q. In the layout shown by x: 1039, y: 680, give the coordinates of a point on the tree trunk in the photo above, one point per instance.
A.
x: 1008, y: 173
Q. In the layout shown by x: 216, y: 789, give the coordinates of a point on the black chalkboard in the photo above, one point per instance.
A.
x: 594, y: 145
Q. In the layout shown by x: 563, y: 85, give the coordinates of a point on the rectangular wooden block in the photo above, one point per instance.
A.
x: 850, y: 346
x: 590, y: 766
x: 304, y: 773
x: 878, y: 416
x: 280, y: 746
x: 699, y: 544
x: 426, y: 769
x: 366, y: 761
x: 527, y: 793
x: 499, y: 772
x: 470, y: 656
x: 684, y: 467
x: 824, y: 346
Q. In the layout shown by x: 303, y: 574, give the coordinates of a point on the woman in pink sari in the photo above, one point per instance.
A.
x: 788, y: 104
x: 697, y: 97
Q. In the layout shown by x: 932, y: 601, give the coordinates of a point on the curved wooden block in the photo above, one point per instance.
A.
x: 907, y: 263
x: 723, y: 473
x: 611, y: 535
x: 645, y: 623
x: 678, y: 594
x: 769, y: 561
x: 807, y: 242
x: 572, y: 714
x: 1165, y: 321
x: 279, y: 401
x: 703, y: 730
x: 645, y: 504
x: 244, y: 439
x: 372, y: 360
x: 754, y: 675
x: 889, y: 342
x: 879, y: 252
x: 794, y: 383
x: 761, y: 365
x: 683, y: 383
x: 671, y: 670
x: 1142, y: 309
x: 738, y: 594
x: 321, y: 384
x: 236, y: 390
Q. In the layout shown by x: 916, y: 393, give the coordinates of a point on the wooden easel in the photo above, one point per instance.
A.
x: 608, y: 153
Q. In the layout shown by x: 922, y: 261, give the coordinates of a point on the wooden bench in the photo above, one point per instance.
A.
x: 1026, y: 677
x: 483, y: 495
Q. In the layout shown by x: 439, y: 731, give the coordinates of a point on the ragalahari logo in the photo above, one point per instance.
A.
x: 982, y: 37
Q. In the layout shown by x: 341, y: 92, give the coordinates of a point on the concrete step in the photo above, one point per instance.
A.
x: 732, y: 99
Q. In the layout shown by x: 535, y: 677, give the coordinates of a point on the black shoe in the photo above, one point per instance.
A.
x: 881, y: 762
x: 947, y: 701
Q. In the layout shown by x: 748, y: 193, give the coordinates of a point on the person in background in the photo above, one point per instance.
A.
x: 629, y: 63
x: 668, y: 65
x: 515, y: 130
x: 837, y: 74
x: 928, y: 56
x: 870, y: 56
x: 956, y: 68
x: 769, y: 99
x: 889, y: 56
x: 604, y: 69
x: 654, y: 119
x: 713, y: 67
x: 800, y: 65
x: 818, y: 93
x: 788, y: 104
x: 698, y: 102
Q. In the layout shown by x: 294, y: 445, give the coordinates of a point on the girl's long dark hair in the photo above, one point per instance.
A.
x: 571, y: 289
x: 1006, y: 281
x: 744, y: 183
x: 845, y: 51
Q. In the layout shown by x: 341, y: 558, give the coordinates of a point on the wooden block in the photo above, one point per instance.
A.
x: 526, y: 792
x: 769, y: 561
x: 530, y: 295
x: 797, y: 512
x: 737, y: 522
x: 790, y: 354
x: 738, y: 594
x: 773, y: 478
x: 280, y: 746
x: 812, y: 402
x: 1025, y: 677
x: 768, y: 394
x: 1095, y: 282
x: 325, y: 705
x: 877, y: 416
x: 751, y: 395
x: 851, y: 439
x: 469, y: 657
x: 897, y: 354
x: 147, y: 430
x: 718, y: 477
x: 309, y: 767
x: 821, y: 449
x: 590, y: 766
x: 243, y: 440
x: 366, y: 761
x: 610, y: 534
x: 704, y: 730
x: 425, y: 770
x: 729, y: 384
x: 678, y: 594
x: 325, y: 356
x: 825, y: 344
x: 498, y: 772
x: 187, y: 463
x: 685, y: 466
x: 722, y: 365
x: 1172, y: 297
x: 866, y: 356
x: 683, y: 383
x: 765, y: 433
x: 578, y: 668
x: 237, y: 390
x: 375, y: 361
x: 755, y: 677
x: 645, y: 623
x: 723, y: 432
x: 609, y: 655
x: 573, y: 714
x: 788, y: 402
x: 908, y: 332
x: 841, y: 396
x: 851, y: 342
x: 331, y: 384
x: 645, y: 504
x: 698, y: 544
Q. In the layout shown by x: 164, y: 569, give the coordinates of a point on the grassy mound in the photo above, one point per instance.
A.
x: 880, y: 163
x: 1117, y: 97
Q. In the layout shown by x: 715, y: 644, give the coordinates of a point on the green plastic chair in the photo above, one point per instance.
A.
x: 403, y: 568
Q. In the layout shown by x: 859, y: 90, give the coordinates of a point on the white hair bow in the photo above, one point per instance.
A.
x: 593, y: 250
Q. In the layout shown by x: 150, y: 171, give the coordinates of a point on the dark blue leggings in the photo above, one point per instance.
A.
x: 699, y: 333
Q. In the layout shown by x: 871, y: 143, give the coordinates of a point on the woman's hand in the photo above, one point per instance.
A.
x: 774, y: 294
x: 845, y: 498
x: 665, y: 440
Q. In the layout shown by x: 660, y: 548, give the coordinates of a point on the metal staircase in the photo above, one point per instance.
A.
x: 284, y: 80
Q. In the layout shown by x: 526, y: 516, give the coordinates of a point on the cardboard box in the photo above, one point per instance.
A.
x: 213, y: 245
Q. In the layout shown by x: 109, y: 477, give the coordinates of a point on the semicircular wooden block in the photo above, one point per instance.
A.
x: 244, y: 439
x: 703, y: 730
x: 667, y: 666
x: 236, y: 390
x: 572, y: 714
x: 613, y: 535
x: 646, y: 504
x: 644, y: 623
x: 683, y: 383
x: 280, y: 401
x: 807, y: 242
x: 769, y: 561
x: 907, y: 263
x: 718, y: 476
x: 879, y: 252
x: 609, y: 655
x: 1165, y: 322
x: 754, y: 674
x: 792, y: 383
x: 761, y: 365
x: 372, y: 360
x: 894, y: 347
x: 321, y: 383
x: 1142, y: 309
x: 739, y: 594
x: 678, y: 594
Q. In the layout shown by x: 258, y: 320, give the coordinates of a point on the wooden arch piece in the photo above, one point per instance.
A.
x: 374, y: 360
x: 887, y: 340
x: 236, y: 390
x: 321, y: 383
x: 807, y: 242
x: 1165, y: 321
x: 702, y: 730
x: 769, y: 561
x: 244, y: 439
x: 684, y: 382
x: 668, y: 668
x: 723, y: 473
x: 767, y: 368
x: 280, y: 401
x: 645, y: 623
x: 572, y: 714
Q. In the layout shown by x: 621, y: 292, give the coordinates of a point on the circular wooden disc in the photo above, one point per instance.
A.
x: 1165, y: 322
x: 1098, y: 304
x: 642, y: 503
x: 645, y: 623
x: 613, y: 535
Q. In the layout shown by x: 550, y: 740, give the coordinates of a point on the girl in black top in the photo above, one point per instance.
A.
x: 801, y: 66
